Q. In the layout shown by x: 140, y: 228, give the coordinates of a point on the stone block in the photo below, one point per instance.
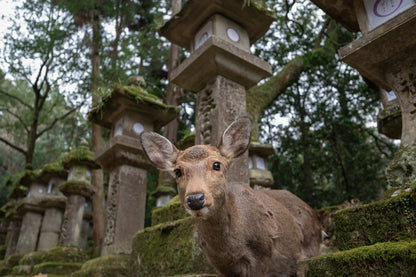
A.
x: 168, y: 249
x: 393, y: 219
x: 381, y: 259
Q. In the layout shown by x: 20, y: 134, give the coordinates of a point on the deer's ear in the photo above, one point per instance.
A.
x: 236, y: 138
x: 160, y: 151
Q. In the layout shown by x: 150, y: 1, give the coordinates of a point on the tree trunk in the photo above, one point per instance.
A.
x: 98, y: 214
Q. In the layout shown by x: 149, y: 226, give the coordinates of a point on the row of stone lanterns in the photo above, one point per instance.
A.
x: 41, y: 213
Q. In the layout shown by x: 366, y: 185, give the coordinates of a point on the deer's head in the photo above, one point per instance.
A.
x: 201, y: 170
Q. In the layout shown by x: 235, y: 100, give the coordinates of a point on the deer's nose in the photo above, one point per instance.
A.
x: 195, y: 201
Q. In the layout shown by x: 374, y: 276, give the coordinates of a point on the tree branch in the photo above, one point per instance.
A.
x: 15, y: 147
x: 40, y: 133
x: 15, y: 98
x: 17, y: 117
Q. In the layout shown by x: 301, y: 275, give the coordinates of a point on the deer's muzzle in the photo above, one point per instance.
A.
x: 195, y: 201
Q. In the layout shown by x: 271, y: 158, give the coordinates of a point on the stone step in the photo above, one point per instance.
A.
x: 105, y: 266
x: 380, y: 259
x: 173, y: 211
x: 393, y: 219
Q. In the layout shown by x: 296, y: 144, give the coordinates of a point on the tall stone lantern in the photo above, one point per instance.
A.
x: 53, y: 203
x: 79, y: 162
x: 385, y: 54
x: 32, y: 214
x: 127, y: 111
x: 220, y: 68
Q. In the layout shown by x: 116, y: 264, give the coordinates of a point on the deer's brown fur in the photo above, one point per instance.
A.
x: 242, y: 231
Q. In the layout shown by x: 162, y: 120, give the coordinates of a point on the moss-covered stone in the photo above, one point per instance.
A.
x: 32, y: 258
x: 168, y: 249
x: 56, y: 268
x: 164, y: 190
x: 65, y: 254
x: 4, y: 269
x: 54, y: 169
x: 386, y: 220
x: 77, y: 187
x: 80, y: 156
x: 173, y: 211
x: 2, y: 251
x: 106, y: 266
x: 381, y: 259
x: 13, y: 260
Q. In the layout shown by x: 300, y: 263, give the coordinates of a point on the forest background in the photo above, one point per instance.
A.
x: 58, y: 57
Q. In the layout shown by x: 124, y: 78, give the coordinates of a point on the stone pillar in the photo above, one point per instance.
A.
x: 129, y: 111
x: 32, y: 215
x: 77, y: 188
x: 220, y: 67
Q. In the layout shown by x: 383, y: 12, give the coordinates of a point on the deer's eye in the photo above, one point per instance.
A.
x: 178, y: 173
x: 216, y: 166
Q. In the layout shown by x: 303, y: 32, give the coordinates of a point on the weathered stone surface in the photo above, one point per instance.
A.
x: 401, y: 172
x: 29, y: 232
x: 259, y: 177
x: 13, y: 233
x: 72, y: 222
x: 51, y: 228
x: 125, y: 208
x: 217, y: 106
x: 173, y: 211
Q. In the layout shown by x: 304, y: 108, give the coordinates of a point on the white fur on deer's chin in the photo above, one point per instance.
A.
x: 202, y: 213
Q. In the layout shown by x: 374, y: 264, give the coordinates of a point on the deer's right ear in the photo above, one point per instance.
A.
x: 160, y: 151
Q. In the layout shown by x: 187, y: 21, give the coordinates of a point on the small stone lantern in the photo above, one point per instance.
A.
x: 220, y: 67
x: 127, y: 111
x: 53, y: 203
x: 260, y: 176
x: 385, y: 54
x: 77, y: 189
x: 389, y: 119
x: 32, y: 214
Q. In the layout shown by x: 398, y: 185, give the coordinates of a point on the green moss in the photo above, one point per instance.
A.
x: 4, y: 268
x: 77, y: 187
x: 23, y: 178
x: 173, y: 211
x: 80, y: 156
x: 168, y: 249
x: 32, y: 258
x: 2, y: 251
x: 55, y: 169
x: 164, y: 190
x: 106, y: 266
x: 65, y: 254
x: 381, y: 259
x: 401, y: 172
x: 56, y: 267
x: 386, y: 220
x: 13, y: 260
x: 187, y: 141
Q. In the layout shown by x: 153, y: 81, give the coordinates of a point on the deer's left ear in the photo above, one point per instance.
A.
x: 236, y: 138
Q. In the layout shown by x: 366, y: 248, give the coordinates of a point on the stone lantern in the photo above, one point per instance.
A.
x: 220, y: 68
x: 385, y: 54
x: 127, y: 111
x: 77, y: 189
x: 12, y: 218
x: 389, y: 119
x: 32, y: 214
x: 260, y: 176
x: 53, y: 203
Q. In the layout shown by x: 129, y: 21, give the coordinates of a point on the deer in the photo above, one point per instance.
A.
x: 242, y: 231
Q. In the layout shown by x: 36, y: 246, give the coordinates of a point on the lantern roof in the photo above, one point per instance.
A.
x: 342, y: 11
x: 182, y: 27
